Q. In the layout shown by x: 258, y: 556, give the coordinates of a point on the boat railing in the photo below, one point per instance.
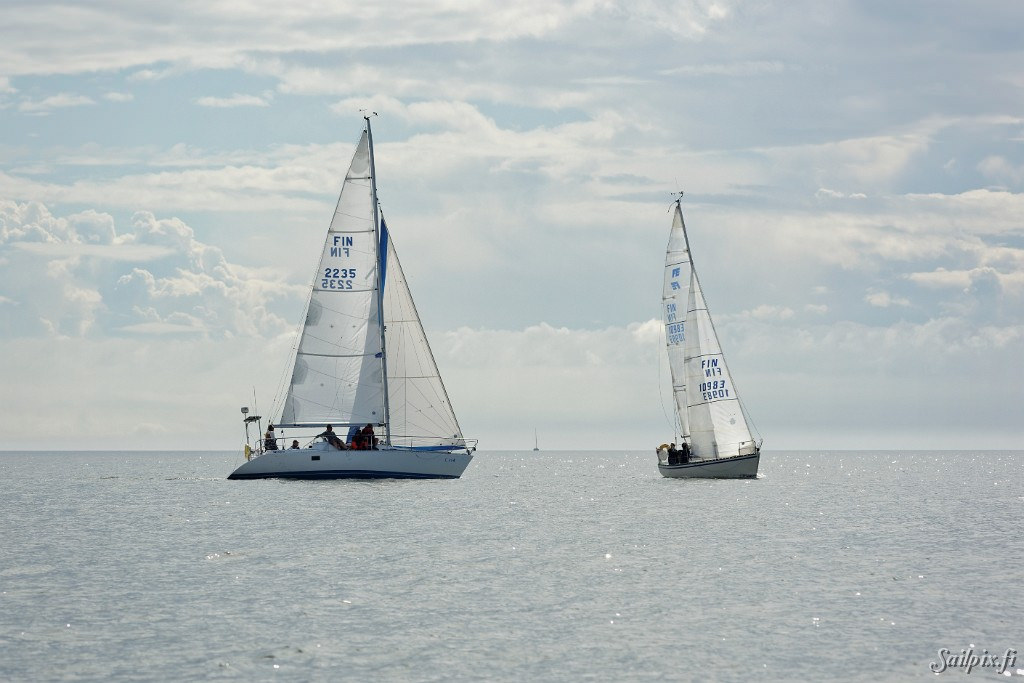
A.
x: 412, y: 443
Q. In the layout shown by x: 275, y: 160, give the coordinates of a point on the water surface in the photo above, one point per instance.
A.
x: 549, y: 566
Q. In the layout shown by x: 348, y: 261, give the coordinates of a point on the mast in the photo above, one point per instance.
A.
x: 380, y: 285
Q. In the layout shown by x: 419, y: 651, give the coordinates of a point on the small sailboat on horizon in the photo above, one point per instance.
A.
x: 716, y: 437
x: 362, y: 364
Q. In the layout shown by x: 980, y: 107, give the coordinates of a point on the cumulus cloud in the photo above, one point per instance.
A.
x: 154, y: 277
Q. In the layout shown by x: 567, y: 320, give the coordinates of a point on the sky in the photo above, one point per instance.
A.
x: 854, y: 194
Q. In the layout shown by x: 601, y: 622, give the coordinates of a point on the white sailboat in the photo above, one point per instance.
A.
x: 536, y: 443
x: 716, y: 436
x: 362, y: 360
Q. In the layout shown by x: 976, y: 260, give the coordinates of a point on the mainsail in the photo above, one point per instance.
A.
x: 346, y: 373
x: 675, y: 300
x: 710, y: 415
x: 338, y: 372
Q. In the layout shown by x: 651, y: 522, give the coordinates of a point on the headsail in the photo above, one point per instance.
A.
x: 338, y: 375
x: 420, y: 412
x: 715, y: 424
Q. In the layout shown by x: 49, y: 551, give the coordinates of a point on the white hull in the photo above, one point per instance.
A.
x: 738, y: 467
x: 323, y: 461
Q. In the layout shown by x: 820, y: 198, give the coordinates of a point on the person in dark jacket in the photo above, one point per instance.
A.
x: 330, y: 437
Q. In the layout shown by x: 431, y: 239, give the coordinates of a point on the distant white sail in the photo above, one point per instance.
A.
x: 338, y: 374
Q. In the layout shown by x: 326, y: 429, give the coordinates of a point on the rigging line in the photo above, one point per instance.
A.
x: 435, y: 414
x: 428, y: 353
x: 431, y: 416
x: 749, y: 419
x: 284, y: 381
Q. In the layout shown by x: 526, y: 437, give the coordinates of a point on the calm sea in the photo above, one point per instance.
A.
x: 550, y: 566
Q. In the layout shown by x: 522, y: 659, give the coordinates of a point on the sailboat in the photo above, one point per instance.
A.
x: 716, y: 435
x: 536, y: 443
x: 362, y: 363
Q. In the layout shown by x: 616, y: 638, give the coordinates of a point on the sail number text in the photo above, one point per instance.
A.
x: 337, y: 278
x: 715, y: 388
x: 342, y: 246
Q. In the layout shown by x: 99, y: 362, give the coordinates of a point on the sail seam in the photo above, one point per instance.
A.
x: 335, y: 355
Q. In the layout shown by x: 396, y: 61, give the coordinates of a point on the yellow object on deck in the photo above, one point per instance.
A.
x: 248, y: 452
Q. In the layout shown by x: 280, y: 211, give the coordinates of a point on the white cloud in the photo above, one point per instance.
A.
x: 236, y: 100
x: 826, y: 193
x: 526, y: 155
x: 764, y: 312
x: 58, y: 101
x: 220, y: 34
x: 883, y: 299
x: 95, y: 282
x: 728, y: 69
x: 1012, y: 282
x: 1002, y: 170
